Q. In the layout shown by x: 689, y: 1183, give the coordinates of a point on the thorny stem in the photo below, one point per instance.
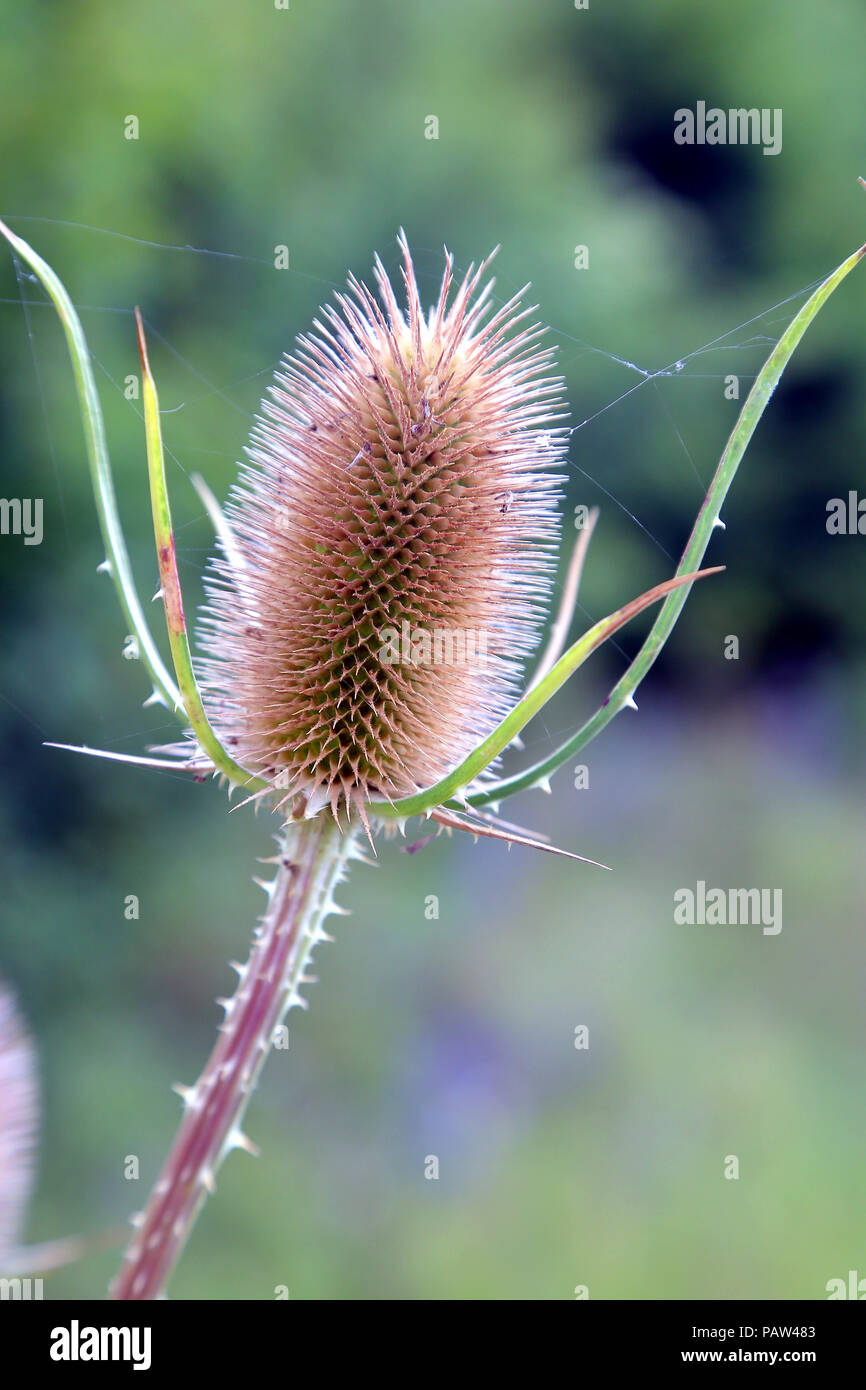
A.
x: 311, y: 862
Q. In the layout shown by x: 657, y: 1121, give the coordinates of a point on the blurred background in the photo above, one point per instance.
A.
x: 307, y: 128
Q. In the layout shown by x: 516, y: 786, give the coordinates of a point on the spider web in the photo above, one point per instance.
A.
x: 624, y: 382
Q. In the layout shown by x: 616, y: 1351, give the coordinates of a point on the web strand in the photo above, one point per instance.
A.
x: 734, y: 340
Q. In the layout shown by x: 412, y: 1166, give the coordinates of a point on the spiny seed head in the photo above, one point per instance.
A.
x: 399, y: 508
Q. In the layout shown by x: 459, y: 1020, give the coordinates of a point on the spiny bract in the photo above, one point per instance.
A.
x: 399, y: 509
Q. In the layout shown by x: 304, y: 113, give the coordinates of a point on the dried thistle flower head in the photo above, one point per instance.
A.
x: 19, y: 1118
x: 395, y: 534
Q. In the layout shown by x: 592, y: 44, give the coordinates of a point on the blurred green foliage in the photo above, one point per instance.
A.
x: 259, y: 128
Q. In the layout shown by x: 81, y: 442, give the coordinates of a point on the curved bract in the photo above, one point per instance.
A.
x: 707, y: 521
x: 170, y: 586
x: 394, y: 416
x: 535, y: 700
x: 117, y: 557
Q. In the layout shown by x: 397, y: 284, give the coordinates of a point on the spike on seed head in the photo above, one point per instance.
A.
x: 402, y: 481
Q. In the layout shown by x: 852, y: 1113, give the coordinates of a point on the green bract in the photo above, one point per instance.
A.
x: 459, y: 788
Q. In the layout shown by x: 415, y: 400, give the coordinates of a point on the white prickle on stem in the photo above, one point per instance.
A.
x: 268, y: 987
x: 267, y: 888
x: 238, y: 1140
x: 188, y: 1094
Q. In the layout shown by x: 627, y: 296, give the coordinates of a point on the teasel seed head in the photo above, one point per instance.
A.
x: 403, y: 479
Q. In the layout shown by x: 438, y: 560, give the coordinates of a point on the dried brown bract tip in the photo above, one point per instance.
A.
x: 395, y: 536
